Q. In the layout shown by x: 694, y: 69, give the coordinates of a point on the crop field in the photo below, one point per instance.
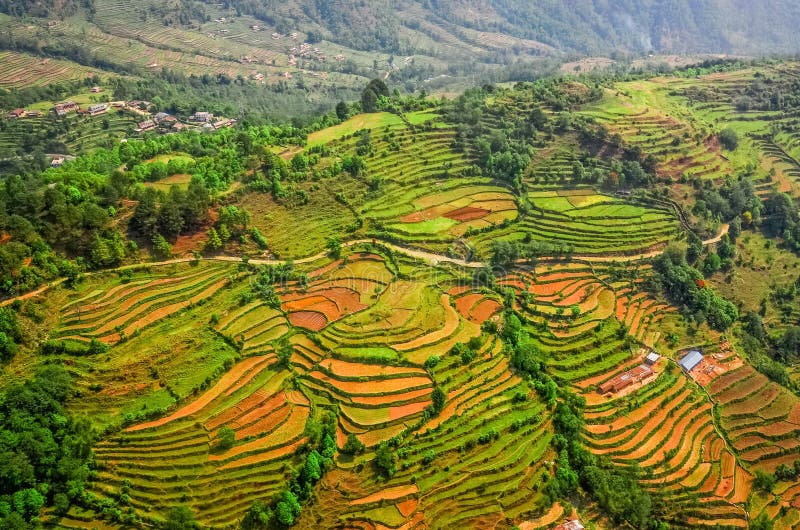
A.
x: 589, y: 223
x: 20, y: 70
x: 365, y: 311
x: 677, y: 448
x: 425, y: 194
x: 762, y: 421
x: 72, y: 134
x: 121, y: 312
x: 383, y: 333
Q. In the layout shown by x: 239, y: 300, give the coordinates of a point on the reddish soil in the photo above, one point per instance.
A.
x: 267, y: 424
x: 246, y: 379
x: 254, y: 414
x: 166, y: 311
x: 712, y: 143
x: 120, y: 292
x: 290, y: 430
x: 458, y: 290
x: 367, y: 388
x: 465, y: 303
x: 550, y: 288
x: 253, y: 400
x: 485, y: 310
x: 729, y: 379
x: 404, y: 411
x: 325, y: 269
x: 577, y: 296
x: 794, y: 415
x: 467, y: 213
x: 425, y: 215
x: 407, y: 507
x: 267, y: 456
x: 388, y: 494
x: 319, y: 304
x: 224, y: 383
x: 188, y: 242
x: 333, y: 303
x: 308, y: 319
x: 381, y: 400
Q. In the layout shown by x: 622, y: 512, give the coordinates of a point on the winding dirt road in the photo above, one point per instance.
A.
x: 429, y: 257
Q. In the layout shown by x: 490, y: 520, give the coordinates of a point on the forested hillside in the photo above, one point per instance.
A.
x: 587, y: 26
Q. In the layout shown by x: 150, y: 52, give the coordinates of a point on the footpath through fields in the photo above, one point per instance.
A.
x: 430, y: 257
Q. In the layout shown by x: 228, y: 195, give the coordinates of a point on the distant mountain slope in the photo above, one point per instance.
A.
x: 437, y: 27
x: 582, y: 26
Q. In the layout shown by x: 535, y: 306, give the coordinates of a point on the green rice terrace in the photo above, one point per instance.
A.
x: 574, y: 299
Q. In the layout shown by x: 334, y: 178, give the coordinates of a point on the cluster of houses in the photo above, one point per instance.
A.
x: 17, y: 114
x: 694, y: 363
x: 161, y: 122
x: 62, y: 109
x: 639, y: 374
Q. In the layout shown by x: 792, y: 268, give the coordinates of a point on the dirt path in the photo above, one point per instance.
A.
x: 429, y: 257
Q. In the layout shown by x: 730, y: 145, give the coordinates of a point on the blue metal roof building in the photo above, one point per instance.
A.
x: 691, y: 360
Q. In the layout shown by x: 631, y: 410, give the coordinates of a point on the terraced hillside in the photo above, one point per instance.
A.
x: 368, y: 369
x: 444, y: 320
x: 588, y: 223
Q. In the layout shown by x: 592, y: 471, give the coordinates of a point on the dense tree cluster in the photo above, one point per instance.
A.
x: 71, y: 211
x: 287, y: 505
x: 683, y: 286
x: 781, y: 218
x: 45, y: 455
x: 615, y: 489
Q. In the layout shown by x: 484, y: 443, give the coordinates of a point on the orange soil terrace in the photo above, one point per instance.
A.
x: 467, y: 213
x: 291, y: 428
x: 388, y: 494
x: 227, y: 380
x: 475, y: 306
x: 308, y: 319
x: 350, y: 369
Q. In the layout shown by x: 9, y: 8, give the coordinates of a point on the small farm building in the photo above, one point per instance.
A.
x: 691, y: 360
x: 626, y: 379
x: 652, y: 358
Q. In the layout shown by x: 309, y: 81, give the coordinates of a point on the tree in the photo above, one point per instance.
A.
x: 342, y: 111
x: 170, y: 219
x: 180, y: 518
x: 762, y: 522
x: 257, y: 517
x: 334, y: 247
x: 312, y: 469
x: 8, y: 347
x: 764, y: 481
x: 353, y: 445
x: 284, y: 353
x: 711, y: 264
x: 287, y: 509
x: 729, y: 139
x: 27, y: 502
x: 439, y: 398
x: 214, y: 242
x: 161, y: 247
x: 226, y: 437
x: 385, y: 459
x: 369, y: 101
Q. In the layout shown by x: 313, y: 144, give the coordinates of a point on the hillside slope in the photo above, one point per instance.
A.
x: 586, y: 26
